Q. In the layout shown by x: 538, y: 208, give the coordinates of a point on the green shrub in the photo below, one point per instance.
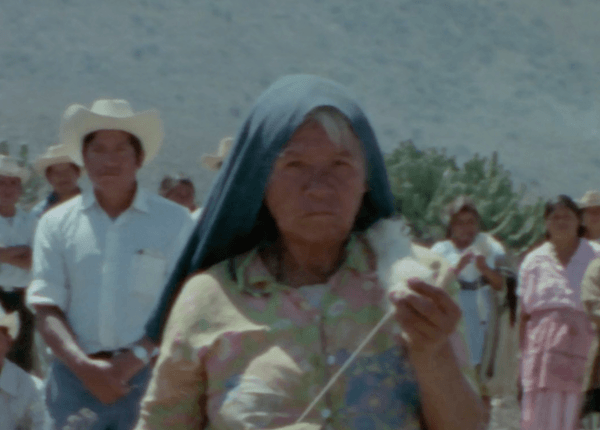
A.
x: 424, y: 182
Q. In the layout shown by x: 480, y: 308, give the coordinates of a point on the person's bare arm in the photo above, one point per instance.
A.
x: 99, y: 376
x: 429, y: 316
x: 127, y: 365
x: 19, y: 256
x: 494, y: 278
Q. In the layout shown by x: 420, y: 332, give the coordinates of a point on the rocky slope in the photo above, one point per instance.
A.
x: 468, y: 75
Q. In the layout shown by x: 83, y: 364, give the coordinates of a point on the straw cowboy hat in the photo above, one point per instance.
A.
x: 9, y: 167
x: 55, y: 154
x: 590, y: 199
x: 215, y: 160
x: 110, y: 114
x: 11, y: 322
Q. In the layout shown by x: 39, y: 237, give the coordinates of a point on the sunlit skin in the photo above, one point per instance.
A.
x: 111, y: 164
x: 63, y: 178
x: 314, y: 193
x: 183, y: 194
x: 591, y: 221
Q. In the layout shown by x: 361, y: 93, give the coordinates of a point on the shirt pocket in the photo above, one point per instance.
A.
x: 147, y: 274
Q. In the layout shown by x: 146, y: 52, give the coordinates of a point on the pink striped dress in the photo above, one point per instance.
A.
x: 557, y: 337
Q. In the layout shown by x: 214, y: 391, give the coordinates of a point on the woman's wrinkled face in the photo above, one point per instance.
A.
x: 562, y: 223
x: 316, y: 187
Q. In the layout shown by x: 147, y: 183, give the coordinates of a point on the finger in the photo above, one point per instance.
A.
x: 425, y: 315
x: 441, y: 298
x: 413, y: 324
x: 417, y: 328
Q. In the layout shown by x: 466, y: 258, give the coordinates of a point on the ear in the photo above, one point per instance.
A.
x: 139, y: 160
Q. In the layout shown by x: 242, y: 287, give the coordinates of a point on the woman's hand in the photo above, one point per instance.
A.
x: 427, y: 315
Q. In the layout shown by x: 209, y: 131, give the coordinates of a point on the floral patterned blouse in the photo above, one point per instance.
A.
x: 242, y: 351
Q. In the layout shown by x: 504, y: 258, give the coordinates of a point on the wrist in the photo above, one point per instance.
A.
x: 79, y: 365
x: 427, y: 359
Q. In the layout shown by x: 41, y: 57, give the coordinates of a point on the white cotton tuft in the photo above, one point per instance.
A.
x: 390, y: 242
x: 396, y: 262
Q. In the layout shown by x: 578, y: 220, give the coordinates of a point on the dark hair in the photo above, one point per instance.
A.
x: 72, y: 165
x: 566, y: 201
x: 133, y: 139
x: 459, y: 205
x: 171, y: 181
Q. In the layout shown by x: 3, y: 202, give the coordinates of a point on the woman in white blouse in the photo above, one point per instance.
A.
x: 474, y: 256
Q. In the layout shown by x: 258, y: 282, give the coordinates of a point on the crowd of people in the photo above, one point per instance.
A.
x: 127, y: 309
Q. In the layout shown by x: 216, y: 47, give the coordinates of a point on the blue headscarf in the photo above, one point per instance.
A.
x: 234, y: 219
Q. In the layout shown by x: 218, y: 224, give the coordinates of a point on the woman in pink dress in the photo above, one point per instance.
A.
x: 556, y: 334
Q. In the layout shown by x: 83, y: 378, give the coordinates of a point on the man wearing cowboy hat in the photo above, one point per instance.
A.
x: 21, y: 398
x: 59, y: 169
x: 100, y: 263
x: 16, y: 236
x: 590, y: 204
x: 215, y: 161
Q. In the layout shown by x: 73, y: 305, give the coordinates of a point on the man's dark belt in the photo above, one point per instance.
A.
x: 106, y: 355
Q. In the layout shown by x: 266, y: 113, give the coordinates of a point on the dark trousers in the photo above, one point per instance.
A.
x: 21, y: 352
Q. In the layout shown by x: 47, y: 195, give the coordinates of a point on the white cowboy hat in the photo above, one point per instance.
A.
x: 11, y: 322
x: 110, y: 114
x: 589, y: 199
x: 55, y: 154
x: 9, y: 167
x: 215, y: 160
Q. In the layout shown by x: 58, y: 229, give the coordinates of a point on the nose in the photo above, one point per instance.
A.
x: 318, y: 184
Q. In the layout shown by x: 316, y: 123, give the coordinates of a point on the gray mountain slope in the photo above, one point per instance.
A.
x: 519, y: 77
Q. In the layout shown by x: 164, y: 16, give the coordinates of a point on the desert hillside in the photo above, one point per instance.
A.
x: 519, y: 77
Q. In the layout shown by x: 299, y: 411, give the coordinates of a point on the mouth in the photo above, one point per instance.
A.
x: 319, y: 214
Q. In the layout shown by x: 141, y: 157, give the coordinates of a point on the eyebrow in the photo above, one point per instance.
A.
x: 291, y: 152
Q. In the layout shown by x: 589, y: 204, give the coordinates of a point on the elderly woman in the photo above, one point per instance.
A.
x: 287, y: 289
x: 556, y: 334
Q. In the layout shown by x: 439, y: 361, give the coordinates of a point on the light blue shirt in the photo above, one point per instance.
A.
x: 106, y: 275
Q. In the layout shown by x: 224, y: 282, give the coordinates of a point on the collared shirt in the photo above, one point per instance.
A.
x: 106, y: 275
x: 42, y: 206
x: 21, y: 400
x: 245, y: 351
x: 15, y: 231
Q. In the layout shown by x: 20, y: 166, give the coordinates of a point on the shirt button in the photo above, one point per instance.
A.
x: 325, y: 413
x: 331, y: 360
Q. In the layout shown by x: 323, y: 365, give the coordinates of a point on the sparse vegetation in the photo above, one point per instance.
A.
x: 424, y: 182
